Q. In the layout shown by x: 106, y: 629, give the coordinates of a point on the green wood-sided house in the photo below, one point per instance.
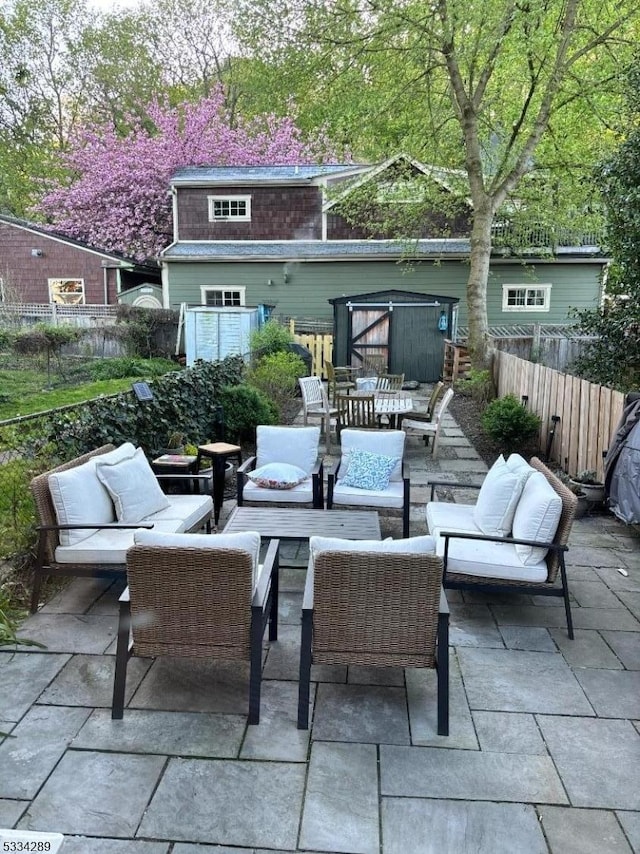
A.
x: 276, y: 236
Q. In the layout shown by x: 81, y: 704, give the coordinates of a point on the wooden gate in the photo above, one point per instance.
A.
x: 369, y: 331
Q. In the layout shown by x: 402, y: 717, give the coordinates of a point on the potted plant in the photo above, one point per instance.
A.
x: 575, y: 487
x: 587, y: 482
x: 175, y: 443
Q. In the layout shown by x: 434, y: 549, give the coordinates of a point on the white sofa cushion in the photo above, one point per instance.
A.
x: 498, y: 498
x: 108, y: 546
x: 79, y: 497
x: 389, y: 443
x: 517, y: 463
x: 489, y: 560
x: 301, y: 494
x: 410, y: 545
x: 278, y: 476
x: 536, y: 518
x: 133, y: 487
x: 446, y: 516
x: 188, y: 510
x: 297, y: 446
x: 247, y: 541
x: 393, y: 496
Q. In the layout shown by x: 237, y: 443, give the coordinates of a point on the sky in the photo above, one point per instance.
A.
x: 113, y: 5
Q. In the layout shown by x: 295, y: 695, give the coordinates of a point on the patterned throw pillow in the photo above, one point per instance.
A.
x: 278, y: 476
x: 369, y: 471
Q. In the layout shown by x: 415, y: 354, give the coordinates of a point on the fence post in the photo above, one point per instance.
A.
x: 54, y: 314
x: 292, y: 326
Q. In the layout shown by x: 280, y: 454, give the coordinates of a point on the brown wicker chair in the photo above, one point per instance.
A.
x: 365, y: 608
x: 203, y: 604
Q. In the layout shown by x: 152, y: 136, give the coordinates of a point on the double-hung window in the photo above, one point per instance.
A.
x: 526, y: 297
x: 223, y: 296
x: 234, y: 208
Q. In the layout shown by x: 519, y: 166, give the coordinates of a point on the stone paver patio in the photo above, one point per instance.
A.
x: 543, y: 756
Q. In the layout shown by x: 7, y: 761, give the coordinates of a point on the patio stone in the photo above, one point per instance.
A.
x: 630, y: 821
x: 24, y: 676
x: 278, y: 737
x: 473, y: 625
x: 553, y: 617
x: 341, y: 804
x: 77, y: 597
x: 414, y: 826
x: 86, y: 845
x: 528, y: 638
x: 87, y: 680
x: 376, y: 676
x: 477, y: 466
x: 290, y: 608
x: 70, y: 632
x: 631, y: 600
x: 40, y: 739
x: 575, y: 574
x: 361, y: 713
x: 593, y: 594
x: 194, y: 685
x: 615, y: 581
x: 432, y: 772
x: 612, y: 693
x: 626, y: 646
x: 423, y: 709
x: 587, y: 649
x: 512, y: 681
x: 508, y: 732
x: 102, y: 794
x: 580, y: 831
x: 589, y: 555
x: 233, y: 803
x: 597, y: 759
x: 630, y: 559
x: 283, y: 660
x: 10, y: 812
x: 166, y: 733
x: 108, y: 604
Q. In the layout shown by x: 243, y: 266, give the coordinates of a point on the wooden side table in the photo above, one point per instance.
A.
x: 181, y: 464
x: 219, y: 453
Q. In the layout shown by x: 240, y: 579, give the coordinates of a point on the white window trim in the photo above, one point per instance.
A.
x: 231, y: 217
x: 205, y: 289
x: 52, y: 280
x: 546, y: 288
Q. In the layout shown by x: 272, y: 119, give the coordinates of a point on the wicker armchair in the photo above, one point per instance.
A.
x: 380, y: 609
x: 193, y: 599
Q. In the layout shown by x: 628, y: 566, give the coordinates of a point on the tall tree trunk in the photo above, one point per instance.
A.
x: 479, y: 348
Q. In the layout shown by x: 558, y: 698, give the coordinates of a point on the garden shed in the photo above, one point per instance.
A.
x: 403, y: 329
x: 212, y: 333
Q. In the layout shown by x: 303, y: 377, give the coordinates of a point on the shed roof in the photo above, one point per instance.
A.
x: 211, y: 176
x: 393, y: 295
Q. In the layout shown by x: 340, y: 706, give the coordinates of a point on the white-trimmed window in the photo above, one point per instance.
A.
x: 526, y: 297
x: 223, y: 296
x: 235, y: 208
x: 66, y: 291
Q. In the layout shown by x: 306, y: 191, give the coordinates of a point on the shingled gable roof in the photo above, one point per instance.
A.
x: 34, y: 228
x: 452, y: 180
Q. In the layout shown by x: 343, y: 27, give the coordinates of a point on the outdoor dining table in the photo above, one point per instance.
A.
x: 389, y: 403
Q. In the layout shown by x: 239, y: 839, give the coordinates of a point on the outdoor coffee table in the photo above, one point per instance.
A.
x: 287, y: 524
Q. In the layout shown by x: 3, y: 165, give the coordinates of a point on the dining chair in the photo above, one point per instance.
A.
x: 356, y: 410
x: 340, y: 379
x: 434, y: 398
x: 389, y: 382
x: 315, y: 404
x: 430, y: 428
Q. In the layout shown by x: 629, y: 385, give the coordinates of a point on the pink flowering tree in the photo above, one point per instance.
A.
x: 117, y: 196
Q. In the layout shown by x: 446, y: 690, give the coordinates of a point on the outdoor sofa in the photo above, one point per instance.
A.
x: 88, y: 509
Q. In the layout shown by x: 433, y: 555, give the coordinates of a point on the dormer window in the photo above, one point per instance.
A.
x: 233, y: 208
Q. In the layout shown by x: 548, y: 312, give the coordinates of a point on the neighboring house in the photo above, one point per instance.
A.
x: 274, y: 235
x: 40, y: 266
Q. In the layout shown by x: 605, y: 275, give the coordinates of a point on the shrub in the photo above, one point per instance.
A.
x: 244, y: 408
x: 509, y: 423
x: 272, y: 337
x: 277, y: 377
x: 117, y: 368
x: 478, y: 385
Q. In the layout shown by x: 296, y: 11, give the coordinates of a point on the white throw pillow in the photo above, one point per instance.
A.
x: 411, y: 545
x: 247, y: 541
x: 517, y: 463
x: 278, y: 476
x: 498, y: 499
x: 536, y: 517
x: 133, y: 487
x: 78, y: 496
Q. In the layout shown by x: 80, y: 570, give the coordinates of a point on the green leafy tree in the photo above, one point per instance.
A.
x: 613, y: 357
x: 496, y: 89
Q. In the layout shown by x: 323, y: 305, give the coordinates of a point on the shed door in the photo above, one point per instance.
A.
x: 369, y: 337
x: 418, y: 346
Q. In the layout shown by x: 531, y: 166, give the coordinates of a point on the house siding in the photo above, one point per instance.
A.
x: 312, y: 284
x: 28, y: 276
x: 277, y: 213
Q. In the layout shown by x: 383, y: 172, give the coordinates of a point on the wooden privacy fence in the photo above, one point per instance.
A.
x: 589, y: 413
x: 320, y: 345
